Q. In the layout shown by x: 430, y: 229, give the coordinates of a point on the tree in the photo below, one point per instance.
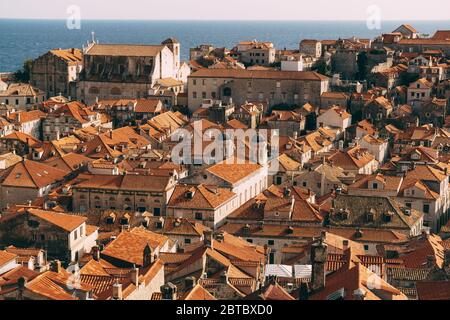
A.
x: 23, y: 75
x: 323, y: 67
x: 362, y: 65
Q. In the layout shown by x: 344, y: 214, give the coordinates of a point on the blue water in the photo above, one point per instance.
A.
x: 24, y: 39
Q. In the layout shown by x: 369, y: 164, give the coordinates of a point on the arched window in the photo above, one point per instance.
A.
x: 116, y: 91
x: 127, y: 200
x: 94, y: 90
x: 97, y: 198
x: 227, y: 92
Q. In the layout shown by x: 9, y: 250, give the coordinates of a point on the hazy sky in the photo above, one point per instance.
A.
x: 228, y: 10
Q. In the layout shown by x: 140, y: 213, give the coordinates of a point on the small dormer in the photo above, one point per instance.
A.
x: 387, y: 216
x: 159, y: 224
x: 189, y: 194
x: 370, y: 215
x: 125, y: 220
x: 344, y: 214
x: 415, y: 155
x: 111, y: 218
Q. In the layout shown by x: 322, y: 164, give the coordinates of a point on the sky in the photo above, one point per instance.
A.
x: 228, y: 10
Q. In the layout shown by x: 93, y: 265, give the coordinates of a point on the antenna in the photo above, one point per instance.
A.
x: 93, y: 36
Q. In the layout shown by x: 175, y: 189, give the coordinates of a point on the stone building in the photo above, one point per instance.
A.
x: 68, y: 118
x: 22, y: 96
x: 273, y: 87
x: 311, y: 47
x: 256, y: 53
x: 55, y: 70
x: 28, y: 180
x: 114, y: 71
x: 65, y: 237
x: 288, y: 123
x: 375, y: 212
x: 125, y: 192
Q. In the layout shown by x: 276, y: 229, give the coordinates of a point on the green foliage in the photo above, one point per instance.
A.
x: 23, y: 75
x: 323, y: 67
x: 363, y: 62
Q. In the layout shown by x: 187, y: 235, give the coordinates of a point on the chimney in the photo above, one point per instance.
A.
x: 169, y: 291
x: 21, y: 284
x: 18, y: 117
x: 56, y: 266
x: 344, y: 245
x: 319, y: 252
x: 96, y: 253
x: 224, y: 277
x: 134, y: 274
x: 295, y: 136
x: 189, y: 283
x: 117, y: 291
x: 110, y: 134
x: 208, y: 238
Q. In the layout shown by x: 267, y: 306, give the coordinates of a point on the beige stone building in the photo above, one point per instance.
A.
x: 131, y: 193
x: 241, y: 86
x: 114, y: 71
x: 22, y: 96
x: 54, y: 71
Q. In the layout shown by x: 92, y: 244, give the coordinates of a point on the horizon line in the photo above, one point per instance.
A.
x: 230, y: 20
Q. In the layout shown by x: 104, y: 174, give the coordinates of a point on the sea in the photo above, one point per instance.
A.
x: 27, y: 39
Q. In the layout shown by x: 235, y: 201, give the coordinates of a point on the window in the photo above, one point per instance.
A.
x: 203, y: 95
x: 75, y: 235
x: 42, y: 237
x: 250, y: 240
x: 194, y: 95
x: 279, y: 180
x: 194, y: 82
x: 187, y: 241
x: 198, y: 216
x: 304, y: 183
x: 157, y: 212
x: 213, y: 95
x: 408, y: 204
x: 426, y: 208
x: 271, y: 242
x: 366, y: 247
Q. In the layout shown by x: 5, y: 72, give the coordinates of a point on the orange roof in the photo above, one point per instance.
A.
x: 202, y: 196
x: 129, y: 245
x: 233, y: 172
x: 6, y: 257
x: 31, y: 174
x: 66, y: 222
x: 71, y: 56
x: 125, y: 50
x: 197, y: 293
x: 258, y: 74
x: 23, y: 116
